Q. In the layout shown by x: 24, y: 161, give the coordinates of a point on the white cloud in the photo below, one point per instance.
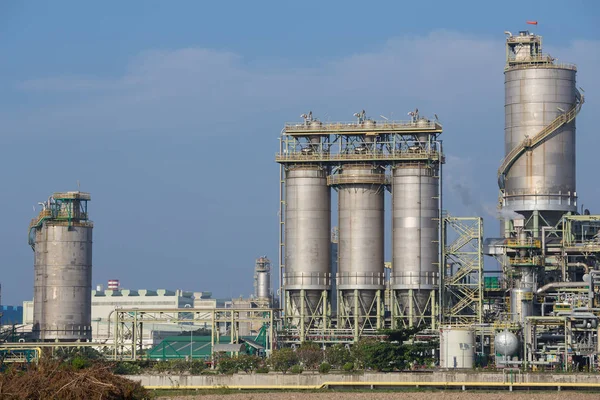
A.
x: 444, y: 70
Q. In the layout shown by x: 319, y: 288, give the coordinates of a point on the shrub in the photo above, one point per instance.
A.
x: 197, y: 366
x: 283, y: 359
x: 337, y: 355
x: 263, y: 369
x: 80, y: 362
x: 227, y: 365
x: 296, y: 369
x: 310, y: 355
x: 324, y: 368
x: 349, y: 366
x: 179, y: 366
x: 127, y: 368
x: 248, y: 362
x: 162, y: 366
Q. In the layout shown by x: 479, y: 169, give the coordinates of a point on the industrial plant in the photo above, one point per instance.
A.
x: 535, y: 304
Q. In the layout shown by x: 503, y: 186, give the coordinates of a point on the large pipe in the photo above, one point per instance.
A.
x: 562, y: 285
x: 579, y: 264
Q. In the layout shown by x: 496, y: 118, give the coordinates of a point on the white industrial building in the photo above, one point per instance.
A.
x: 104, y: 302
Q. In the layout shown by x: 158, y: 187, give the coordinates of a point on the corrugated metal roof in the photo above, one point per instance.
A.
x: 181, y: 347
x: 174, y: 347
x: 230, y: 347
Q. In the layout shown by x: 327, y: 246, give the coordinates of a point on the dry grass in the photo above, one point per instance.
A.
x: 54, y: 380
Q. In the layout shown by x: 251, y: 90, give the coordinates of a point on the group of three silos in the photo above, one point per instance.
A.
x: 360, y: 270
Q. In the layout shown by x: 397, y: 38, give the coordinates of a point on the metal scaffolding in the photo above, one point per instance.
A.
x: 462, y: 292
x: 129, y: 325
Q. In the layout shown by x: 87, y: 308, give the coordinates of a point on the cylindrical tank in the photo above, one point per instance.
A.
x: 307, y: 232
x: 506, y: 343
x: 521, y: 304
x: 457, y: 347
x: 361, y: 233
x: 544, y: 178
x: 63, y: 282
x: 262, y: 276
x: 415, y: 224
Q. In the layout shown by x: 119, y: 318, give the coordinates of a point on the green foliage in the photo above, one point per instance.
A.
x: 283, y: 359
x: 162, y: 366
x: 127, y: 368
x: 359, y: 351
x: 197, y: 366
x: 80, y: 362
x: 179, y: 366
x: 396, y: 352
x: 349, y: 366
x: 296, y: 369
x: 324, y: 368
x: 248, y: 362
x: 310, y: 355
x: 226, y: 364
x: 84, y: 355
x: 399, y: 335
x: 384, y: 356
x: 421, y: 353
x: 263, y: 369
x: 338, y: 355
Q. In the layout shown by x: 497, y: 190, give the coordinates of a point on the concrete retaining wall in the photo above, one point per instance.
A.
x: 309, y: 380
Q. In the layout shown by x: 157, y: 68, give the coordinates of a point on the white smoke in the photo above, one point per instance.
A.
x: 508, y: 214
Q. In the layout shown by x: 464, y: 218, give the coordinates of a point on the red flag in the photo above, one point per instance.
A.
x: 532, y: 22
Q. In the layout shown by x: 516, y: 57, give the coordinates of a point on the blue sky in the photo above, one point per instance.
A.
x: 169, y: 114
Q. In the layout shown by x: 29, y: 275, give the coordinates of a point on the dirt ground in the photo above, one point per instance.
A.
x: 453, y: 395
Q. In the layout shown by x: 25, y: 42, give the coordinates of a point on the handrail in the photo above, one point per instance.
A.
x: 365, y: 126
x: 530, y: 143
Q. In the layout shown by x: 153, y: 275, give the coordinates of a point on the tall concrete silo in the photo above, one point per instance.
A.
x: 537, y: 176
x: 415, y: 241
x: 307, y: 237
x: 262, y: 281
x: 61, y: 237
x: 360, y: 275
x: 541, y: 102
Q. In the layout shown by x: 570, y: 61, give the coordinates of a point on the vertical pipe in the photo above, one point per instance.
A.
x: 356, y: 315
x: 433, y: 310
x: 410, y: 307
x: 302, y: 315
x: 213, y: 327
x: 281, y: 227
x: 378, y: 299
x: 441, y: 238
x: 536, y: 224
x: 116, y: 333
x: 134, y: 335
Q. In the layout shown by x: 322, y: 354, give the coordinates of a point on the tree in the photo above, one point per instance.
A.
x: 248, y: 362
x: 338, y: 355
x: 310, y: 355
x: 283, y: 359
x: 360, y: 350
x: 226, y: 364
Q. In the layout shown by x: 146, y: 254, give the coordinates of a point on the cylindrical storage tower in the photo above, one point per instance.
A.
x: 262, y: 276
x: 521, y: 304
x: 63, y: 269
x: 537, y: 91
x: 307, y: 236
x: 457, y: 347
x: 415, y: 242
x: 361, y: 236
